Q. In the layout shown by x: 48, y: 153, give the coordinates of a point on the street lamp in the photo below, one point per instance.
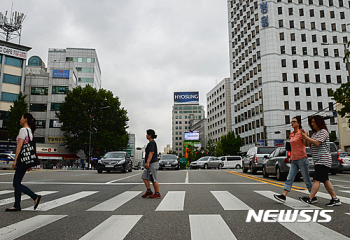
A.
x: 91, y: 117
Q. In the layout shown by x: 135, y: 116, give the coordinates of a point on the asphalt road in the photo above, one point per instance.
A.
x: 195, y: 204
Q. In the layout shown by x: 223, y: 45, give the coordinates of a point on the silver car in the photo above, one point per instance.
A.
x: 344, y: 158
x: 207, y: 162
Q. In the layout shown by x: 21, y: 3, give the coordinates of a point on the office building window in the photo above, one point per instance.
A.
x: 8, y: 97
x: 283, y: 62
x: 284, y: 77
x: 11, y: 79
x: 326, y: 65
x: 319, y: 105
x: 35, y: 107
x: 316, y: 65
x: 296, y: 91
x: 292, y: 36
x: 307, y: 92
x: 318, y: 92
x: 304, y: 50
x: 321, y: 13
x: 40, y: 123
x: 283, y: 50
x: 281, y: 36
x: 295, y: 64
x: 303, y: 37
x: 295, y: 77
x: 337, y: 65
x: 339, y: 79
x: 328, y: 79
x: 325, y: 52
x: 286, y: 105
x: 280, y: 23
x: 287, y: 119
x: 308, y: 106
x: 297, y: 105
x: 59, y: 90
x: 294, y: 50
x: 16, y: 62
x: 306, y: 63
x: 285, y: 90
x: 55, y: 123
x: 39, y: 91
x: 317, y: 78
x: 307, y: 78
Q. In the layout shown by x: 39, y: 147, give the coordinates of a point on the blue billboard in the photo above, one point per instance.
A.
x: 60, y: 73
x: 186, y: 97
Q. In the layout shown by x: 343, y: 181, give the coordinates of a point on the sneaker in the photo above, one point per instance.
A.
x: 313, y: 200
x: 280, y: 198
x: 333, y: 202
x: 148, y: 193
x: 305, y: 200
x: 155, y: 195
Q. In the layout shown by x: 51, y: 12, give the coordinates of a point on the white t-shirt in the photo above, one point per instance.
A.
x: 23, y: 134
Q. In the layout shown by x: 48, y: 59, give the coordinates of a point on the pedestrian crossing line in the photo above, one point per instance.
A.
x: 61, y: 201
x: 341, y: 186
x: 12, y: 199
x: 115, y: 202
x: 5, y: 192
x: 264, y: 180
x: 208, y: 227
x: 327, y: 196
x: 115, y: 227
x: 173, y: 201
x: 319, y: 231
x: 229, y: 201
x: 346, y: 191
x: 26, y: 226
x: 290, y: 202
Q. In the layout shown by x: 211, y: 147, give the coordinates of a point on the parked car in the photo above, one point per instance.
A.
x: 169, y: 161
x: 336, y: 164
x: 255, y: 158
x: 231, y: 161
x: 115, y: 161
x: 278, y: 163
x: 6, y: 160
x: 207, y: 162
x: 344, y: 161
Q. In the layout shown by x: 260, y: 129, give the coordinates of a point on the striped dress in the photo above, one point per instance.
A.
x: 321, y: 153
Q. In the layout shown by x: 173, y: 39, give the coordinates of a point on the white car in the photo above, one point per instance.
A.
x: 344, y: 158
x: 6, y: 160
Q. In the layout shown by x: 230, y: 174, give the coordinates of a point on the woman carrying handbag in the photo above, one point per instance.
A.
x: 25, y: 135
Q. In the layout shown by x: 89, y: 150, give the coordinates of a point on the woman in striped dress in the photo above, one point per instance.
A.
x: 319, y: 143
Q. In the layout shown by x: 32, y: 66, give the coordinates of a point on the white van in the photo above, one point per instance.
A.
x: 231, y: 161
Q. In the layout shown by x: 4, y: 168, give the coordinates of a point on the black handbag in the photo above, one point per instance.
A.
x: 27, y: 158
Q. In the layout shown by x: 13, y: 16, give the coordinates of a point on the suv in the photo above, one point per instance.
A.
x: 255, y: 158
x: 169, y: 161
x: 115, y: 161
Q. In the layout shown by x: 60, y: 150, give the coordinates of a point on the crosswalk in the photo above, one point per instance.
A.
x: 201, y: 225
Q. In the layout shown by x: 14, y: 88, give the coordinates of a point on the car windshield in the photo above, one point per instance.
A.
x: 168, y: 157
x: 344, y: 154
x: 13, y: 155
x: 114, y: 155
x: 203, y: 159
x: 265, y: 150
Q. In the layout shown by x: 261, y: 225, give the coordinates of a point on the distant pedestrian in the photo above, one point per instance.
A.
x: 319, y: 142
x: 28, y: 127
x: 299, y: 161
x: 151, y: 166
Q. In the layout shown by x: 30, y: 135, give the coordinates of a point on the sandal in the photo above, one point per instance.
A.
x: 37, y: 202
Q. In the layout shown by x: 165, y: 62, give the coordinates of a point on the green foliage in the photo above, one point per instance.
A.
x: 211, y: 145
x: 85, y: 107
x: 218, y: 150
x: 342, y: 96
x: 231, y: 144
x: 19, y: 107
x: 171, y: 152
x: 332, y: 136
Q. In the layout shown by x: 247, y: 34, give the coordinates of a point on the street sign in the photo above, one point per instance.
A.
x: 261, y: 143
x: 183, y: 160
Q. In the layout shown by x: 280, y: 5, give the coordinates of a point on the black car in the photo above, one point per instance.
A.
x: 169, y: 161
x: 115, y: 161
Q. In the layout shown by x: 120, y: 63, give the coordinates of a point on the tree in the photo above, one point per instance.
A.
x: 342, y: 96
x: 231, y: 144
x: 218, y: 149
x: 19, y: 107
x: 211, y: 145
x: 172, y: 152
x: 332, y: 136
x: 85, y: 110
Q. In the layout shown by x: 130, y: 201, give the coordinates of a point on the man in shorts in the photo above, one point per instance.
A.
x: 151, y: 166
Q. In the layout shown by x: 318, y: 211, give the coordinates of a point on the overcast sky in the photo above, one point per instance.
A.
x: 147, y: 49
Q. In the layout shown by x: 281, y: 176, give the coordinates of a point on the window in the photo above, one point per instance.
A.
x: 287, y: 119
x: 343, y: 27
x: 317, y: 78
x: 280, y: 23
x: 310, y: 1
x: 315, y: 51
x: 335, y: 39
x: 85, y: 70
x: 303, y: 37
x: 295, y: 64
x: 308, y: 106
x: 330, y: 106
x: 283, y: 51
x: 323, y: 26
x: 294, y: 50
x: 319, y: 105
x: 306, y: 63
x: 313, y: 25
x: 35, y: 107
x: 286, y: 105
x: 281, y: 36
x: 328, y: 79
x: 40, y: 123
x: 279, y: 10
x: 333, y: 26
x: 39, y: 91
x: 284, y: 77
x: 314, y: 38
x: 285, y: 91
x: 312, y: 13
x: 301, y: 12
x: 55, y: 124
x: 290, y: 11
x: 11, y: 79
x: 307, y: 92
x: 292, y: 37
x: 76, y: 59
x: 325, y: 52
x: 13, y: 61
x: 8, y: 97
x: 318, y: 92
x: 304, y: 50
x: 86, y: 80
x: 330, y: 2
x: 316, y: 65
x: 320, y: 2
x: 307, y: 78
x: 339, y: 79
x: 324, y: 38
x: 332, y: 14
x: 59, y: 90
x: 322, y: 13
x: 336, y: 53
x: 329, y: 92
x: 337, y: 65
x: 342, y: 15
x: 326, y: 64
x: 296, y: 91
x: 297, y: 105
x: 283, y: 62
x: 295, y: 77
x: 302, y: 25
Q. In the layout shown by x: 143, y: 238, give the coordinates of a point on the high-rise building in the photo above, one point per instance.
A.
x: 219, y: 110
x: 186, y: 107
x: 285, y: 55
x: 201, y: 126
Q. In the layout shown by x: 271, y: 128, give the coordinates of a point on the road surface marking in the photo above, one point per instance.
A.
x: 115, y: 227
x: 318, y: 231
x: 139, y: 183
x: 61, y: 201
x: 24, y: 197
x: 229, y: 201
x: 173, y: 201
x: 346, y: 191
x: 186, y: 179
x: 5, y: 192
x: 26, y: 226
x: 341, y: 186
x: 6, y: 173
x: 122, y: 178
x: 327, y: 196
x: 115, y: 202
x: 290, y: 202
x: 209, y: 227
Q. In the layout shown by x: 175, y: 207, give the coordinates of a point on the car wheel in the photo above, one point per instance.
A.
x: 99, y: 170
x: 244, y: 169
x: 238, y: 166
x: 265, y: 175
x: 279, y: 175
x: 252, y: 169
x: 220, y: 166
x: 205, y: 166
x: 333, y: 171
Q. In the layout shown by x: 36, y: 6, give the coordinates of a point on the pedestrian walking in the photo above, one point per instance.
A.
x: 28, y: 127
x: 299, y: 161
x: 319, y: 142
x: 151, y: 166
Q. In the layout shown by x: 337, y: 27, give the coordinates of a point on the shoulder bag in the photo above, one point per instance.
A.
x: 27, y: 158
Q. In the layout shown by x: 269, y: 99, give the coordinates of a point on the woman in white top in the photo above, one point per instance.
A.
x: 25, y: 133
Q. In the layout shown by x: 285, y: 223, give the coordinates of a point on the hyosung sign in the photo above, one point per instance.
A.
x: 186, y: 97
